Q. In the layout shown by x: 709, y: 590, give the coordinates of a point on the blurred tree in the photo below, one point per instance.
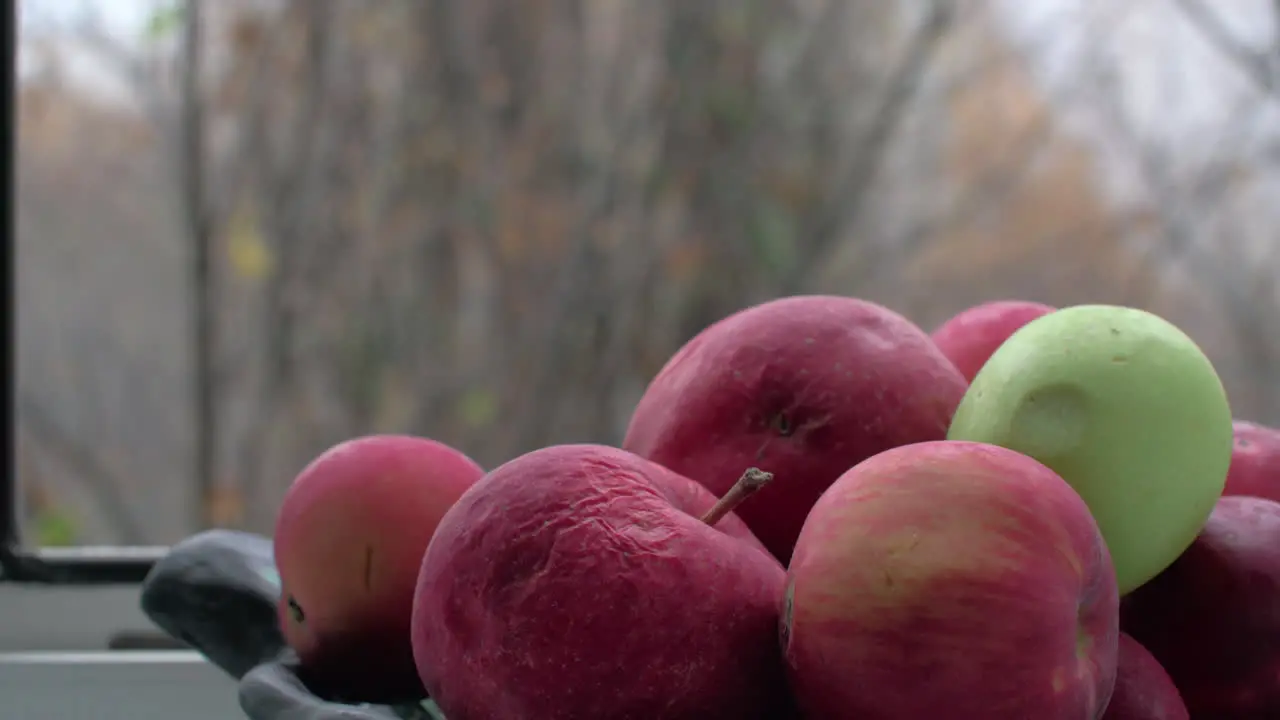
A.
x: 493, y: 222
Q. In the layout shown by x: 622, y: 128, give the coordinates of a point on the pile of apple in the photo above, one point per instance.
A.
x: 820, y: 511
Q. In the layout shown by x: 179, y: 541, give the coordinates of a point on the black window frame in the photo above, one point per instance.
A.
x: 18, y: 563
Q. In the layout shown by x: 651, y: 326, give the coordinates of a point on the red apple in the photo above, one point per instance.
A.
x: 951, y: 580
x: 1212, y: 618
x: 1143, y: 689
x: 348, y: 544
x: 802, y: 387
x: 969, y: 338
x: 581, y: 581
x: 1255, y: 461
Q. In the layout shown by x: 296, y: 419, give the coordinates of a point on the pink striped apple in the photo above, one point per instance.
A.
x: 951, y: 580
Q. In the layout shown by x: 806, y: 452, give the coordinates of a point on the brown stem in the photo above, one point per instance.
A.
x: 751, y: 481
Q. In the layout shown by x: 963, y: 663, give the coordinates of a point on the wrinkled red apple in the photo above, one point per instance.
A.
x: 1255, y: 462
x: 803, y: 387
x: 581, y: 581
x: 969, y: 338
x: 1143, y: 689
x: 1212, y: 619
x: 951, y: 580
x: 349, y: 541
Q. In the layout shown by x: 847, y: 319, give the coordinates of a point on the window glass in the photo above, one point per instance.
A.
x: 491, y: 223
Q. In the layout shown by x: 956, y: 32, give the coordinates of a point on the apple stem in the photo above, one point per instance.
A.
x: 751, y: 481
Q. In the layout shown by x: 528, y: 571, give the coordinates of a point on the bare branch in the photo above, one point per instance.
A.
x: 203, y: 289
x: 848, y: 191
x: 290, y: 185
x: 1258, y: 66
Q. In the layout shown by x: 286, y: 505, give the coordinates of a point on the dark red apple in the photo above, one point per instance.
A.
x: 581, y: 581
x: 1212, y: 619
x: 969, y: 338
x: 1143, y: 689
x: 951, y: 580
x: 803, y: 387
x: 1255, y: 461
x: 349, y: 541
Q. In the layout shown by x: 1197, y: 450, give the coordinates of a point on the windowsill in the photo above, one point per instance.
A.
x: 115, y: 685
x: 67, y: 617
x: 54, y: 662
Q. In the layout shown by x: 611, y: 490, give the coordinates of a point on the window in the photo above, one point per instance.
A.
x: 245, y: 230
x: 75, y: 602
x: 18, y: 560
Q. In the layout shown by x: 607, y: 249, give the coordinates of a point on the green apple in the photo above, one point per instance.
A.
x: 1127, y: 409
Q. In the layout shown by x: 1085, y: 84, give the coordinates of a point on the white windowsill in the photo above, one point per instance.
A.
x: 54, y: 664
x: 67, y: 618
x: 115, y: 685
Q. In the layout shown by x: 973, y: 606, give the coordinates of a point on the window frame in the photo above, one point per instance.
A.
x: 87, y: 565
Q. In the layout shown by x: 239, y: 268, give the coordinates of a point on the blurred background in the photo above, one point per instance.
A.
x: 249, y: 229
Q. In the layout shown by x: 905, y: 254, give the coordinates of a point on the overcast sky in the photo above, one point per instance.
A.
x: 1165, y: 82
x: 51, y: 19
x: 123, y: 17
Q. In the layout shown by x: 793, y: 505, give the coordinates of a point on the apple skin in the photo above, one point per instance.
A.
x: 1143, y: 689
x: 348, y: 543
x: 950, y: 580
x: 1255, y: 462
x: 969, y: 338
x: 803, y: 387
x: 1212, y: 619
x: 577, y: 581
x: 1127, y: 409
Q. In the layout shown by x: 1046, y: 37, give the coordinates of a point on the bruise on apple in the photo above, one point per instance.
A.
x: 803, y: 387
x: 788, y: 608
x: 295, y: 610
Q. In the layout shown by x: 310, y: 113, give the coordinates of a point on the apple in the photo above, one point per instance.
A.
x: 969, y: 338
x: 1127, y: 409
x: 1143, y: 689
x: 950, y: 580
x: 803, y: 387
x: 581, y: 581
x: 1212, y: 619
x: 349, y: 540
x: 1255, y: 462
